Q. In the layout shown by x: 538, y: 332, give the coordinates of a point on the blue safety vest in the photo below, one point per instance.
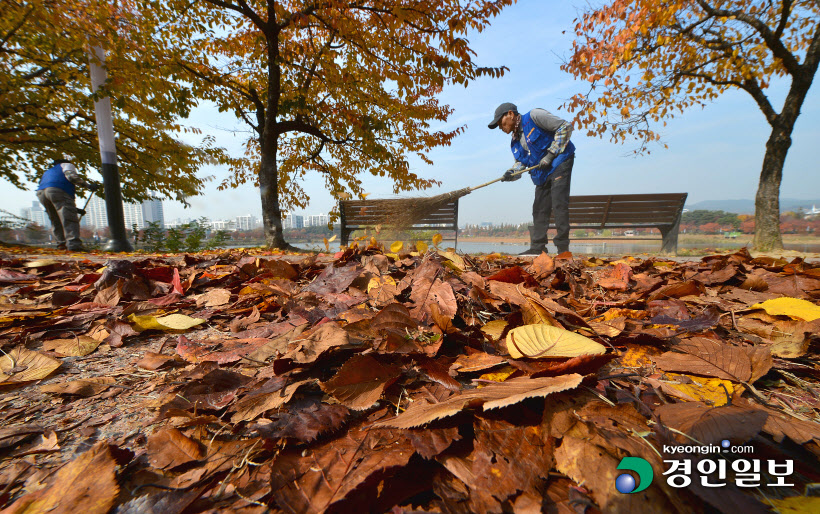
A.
x: 538, y: 141
x: 54, y: 177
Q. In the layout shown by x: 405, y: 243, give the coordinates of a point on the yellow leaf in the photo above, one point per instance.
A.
x: 327, y: 245
x: 797, y: 505
x: 332, y: 239
x: 494, y: 329
x: 542, y: 340
x: 365, y: 195
x: 500, y: 375
x: 377, y: 282
x: 421, y: 246
x: 170, y: 322
x: 708, y: 390
x: 396, y: 247
x: 437, y: 239
x: 623, y: 313
x: 453, y: 258
x: 41, y: 263
x: 791, y: 307
x: 638, y: 356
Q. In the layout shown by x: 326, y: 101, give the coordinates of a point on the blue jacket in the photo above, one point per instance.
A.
x: 54, y: 177
x: 538, y: 142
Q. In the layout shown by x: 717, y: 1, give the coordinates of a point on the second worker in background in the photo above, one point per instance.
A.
x: 541, y: 139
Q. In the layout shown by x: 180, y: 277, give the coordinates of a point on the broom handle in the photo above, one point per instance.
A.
x: 86, y: 205
x: 501, y: 178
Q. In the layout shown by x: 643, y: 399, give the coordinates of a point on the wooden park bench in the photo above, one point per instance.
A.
x: 366, y: 214
x: 593, y: 212
x: 661, y: 211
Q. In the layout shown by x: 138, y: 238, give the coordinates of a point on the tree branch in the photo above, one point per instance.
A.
x: 771, y: 39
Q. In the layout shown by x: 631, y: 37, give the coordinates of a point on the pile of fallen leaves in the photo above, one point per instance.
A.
x: 370, y: 382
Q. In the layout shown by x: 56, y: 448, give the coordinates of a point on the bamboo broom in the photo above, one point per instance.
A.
x: 406, y: 212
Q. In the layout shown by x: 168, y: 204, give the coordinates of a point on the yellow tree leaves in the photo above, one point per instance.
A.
x: 337, y: 88
x: 47, y: 106
x: 686, y: 54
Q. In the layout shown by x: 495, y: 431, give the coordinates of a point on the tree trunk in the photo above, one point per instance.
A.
x: 767, y: 201
x: 269, y: 149
x: 269, y: 191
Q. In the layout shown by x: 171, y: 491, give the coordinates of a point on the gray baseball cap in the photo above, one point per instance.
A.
x: 501, y: 111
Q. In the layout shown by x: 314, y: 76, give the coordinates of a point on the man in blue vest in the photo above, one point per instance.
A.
x: 541, y: 139
x: 56, y: 192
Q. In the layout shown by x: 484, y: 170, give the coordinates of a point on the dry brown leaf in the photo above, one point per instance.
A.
x: 83, y: 387
x: 75, y: 347
x: 360, y: 381
x: 780, y: 424
x: 703, y: 356
x: 542, y: 266
x: 254, y: 406
x: 110, y: 296
x: 676, y: 290
x: 329, y: 335
x: 335, y: 469
x: 22, y: 365
x: 169, y: 448
x: 711, y: 425
x: 596, y: 468
x: 214, y: 298
x: 474, y: 362
x: 535, y: 313
x: 153, y: 361
x: 87, y: 484
x: 493, y: 396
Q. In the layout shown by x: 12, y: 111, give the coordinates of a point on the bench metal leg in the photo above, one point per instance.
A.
x: 670, y: 238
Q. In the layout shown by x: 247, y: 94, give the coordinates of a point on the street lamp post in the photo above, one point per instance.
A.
x: 108, y: 153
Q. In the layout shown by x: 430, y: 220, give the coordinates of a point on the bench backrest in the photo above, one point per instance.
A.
x: 639, y: 210
x: 356, y: 214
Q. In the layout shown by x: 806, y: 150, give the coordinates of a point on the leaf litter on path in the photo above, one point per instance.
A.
x: 387, y: 381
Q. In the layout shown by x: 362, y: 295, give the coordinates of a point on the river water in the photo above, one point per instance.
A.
x: 597, y: 248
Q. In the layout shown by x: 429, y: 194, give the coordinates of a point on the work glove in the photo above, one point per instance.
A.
x: 508, y: 175
x: 546, y: 162
x: 93, y: 186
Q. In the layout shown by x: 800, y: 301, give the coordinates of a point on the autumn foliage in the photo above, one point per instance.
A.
x: 648, y: 60
x: 334, y: 88
x: 378, y: 382
x: 47, y: 106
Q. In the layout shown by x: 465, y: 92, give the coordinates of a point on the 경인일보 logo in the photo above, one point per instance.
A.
x: 625, y: 483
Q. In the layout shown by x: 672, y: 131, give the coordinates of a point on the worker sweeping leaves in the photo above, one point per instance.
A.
x: 541, y: 140
x: 56, y: 192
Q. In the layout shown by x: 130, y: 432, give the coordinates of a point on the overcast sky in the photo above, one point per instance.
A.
x: 714, y: 153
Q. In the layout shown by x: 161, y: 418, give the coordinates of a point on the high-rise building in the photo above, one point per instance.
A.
x: 246, y: 222
x: 139, y: 214
x: 293, y: 222
x: 223, y: 225
x: 317, y: 220
x: 95, y: 214
x: 152, y: 212
x: 36, y: 214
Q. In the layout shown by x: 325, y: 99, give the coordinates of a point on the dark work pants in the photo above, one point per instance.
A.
x: 552, y: 197
x: 62, y: 213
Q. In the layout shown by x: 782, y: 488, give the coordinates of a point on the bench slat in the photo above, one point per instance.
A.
x: 585, y: 212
